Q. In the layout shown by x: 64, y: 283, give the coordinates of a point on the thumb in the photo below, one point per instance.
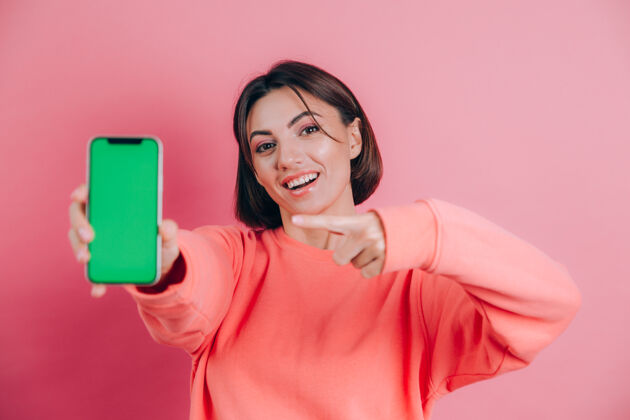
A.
x: 168, y: 230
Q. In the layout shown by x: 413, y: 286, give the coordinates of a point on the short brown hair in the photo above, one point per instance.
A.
x: 253, y: 206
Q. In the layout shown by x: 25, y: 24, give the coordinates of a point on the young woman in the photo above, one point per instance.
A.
x: 315, y: 311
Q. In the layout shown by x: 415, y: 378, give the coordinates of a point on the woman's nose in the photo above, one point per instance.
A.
x: 289, y: 154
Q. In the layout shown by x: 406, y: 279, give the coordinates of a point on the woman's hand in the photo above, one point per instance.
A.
x: 363, y: 243
x: 81, y: 233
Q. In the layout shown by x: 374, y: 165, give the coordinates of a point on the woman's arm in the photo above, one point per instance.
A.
x: 186, y: 308
x: 489, y: 300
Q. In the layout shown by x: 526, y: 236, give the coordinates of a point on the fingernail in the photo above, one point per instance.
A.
x: 85, y: 234
x: 297, y: 219
x: 82, y: 255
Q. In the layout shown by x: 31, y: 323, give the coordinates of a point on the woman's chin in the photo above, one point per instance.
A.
x: 315, y: 203
x: 304, y: 209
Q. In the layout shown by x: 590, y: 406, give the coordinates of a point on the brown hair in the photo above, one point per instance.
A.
x: 253, y: 206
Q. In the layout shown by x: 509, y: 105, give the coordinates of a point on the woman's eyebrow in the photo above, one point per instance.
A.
x: 289, y: 125
x: 297, y: 117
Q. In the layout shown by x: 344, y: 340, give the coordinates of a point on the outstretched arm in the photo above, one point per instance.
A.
x: 187, y: 309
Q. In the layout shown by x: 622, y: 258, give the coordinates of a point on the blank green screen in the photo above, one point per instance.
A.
x: 123, y: 211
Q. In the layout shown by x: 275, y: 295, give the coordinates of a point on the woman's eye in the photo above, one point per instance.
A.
x: 310, y: 129
x: 263, y: 147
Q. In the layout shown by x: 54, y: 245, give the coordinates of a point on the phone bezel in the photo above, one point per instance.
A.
x: 157, y: 140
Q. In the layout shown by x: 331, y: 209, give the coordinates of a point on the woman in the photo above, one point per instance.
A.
x: 316, y: 311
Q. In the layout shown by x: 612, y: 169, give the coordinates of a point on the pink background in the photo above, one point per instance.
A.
x: 519, y: 111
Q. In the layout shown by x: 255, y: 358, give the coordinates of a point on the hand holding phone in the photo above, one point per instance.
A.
x: 81, y: 233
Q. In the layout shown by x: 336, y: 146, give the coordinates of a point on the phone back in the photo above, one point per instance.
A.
x: 124, y: 209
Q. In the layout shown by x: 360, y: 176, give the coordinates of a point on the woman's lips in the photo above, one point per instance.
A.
x: 304, y: 189
x: 297, y: 176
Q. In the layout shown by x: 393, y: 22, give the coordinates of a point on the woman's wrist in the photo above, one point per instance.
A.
x: 410, y: 235
x: 174, y: 276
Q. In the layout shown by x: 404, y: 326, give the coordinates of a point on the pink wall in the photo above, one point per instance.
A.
x: 519, y: 112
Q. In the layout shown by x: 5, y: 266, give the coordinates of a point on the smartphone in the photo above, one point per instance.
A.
x: 124, y: 208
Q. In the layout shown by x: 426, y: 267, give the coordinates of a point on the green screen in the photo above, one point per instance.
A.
x: 123, y: 210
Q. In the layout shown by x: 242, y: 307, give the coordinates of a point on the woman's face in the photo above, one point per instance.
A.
x: 301, y: 168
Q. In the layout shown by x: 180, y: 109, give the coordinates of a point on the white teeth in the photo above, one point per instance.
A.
x: 301, y: 180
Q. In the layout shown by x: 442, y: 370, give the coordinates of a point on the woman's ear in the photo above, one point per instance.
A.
x: 355, y: 140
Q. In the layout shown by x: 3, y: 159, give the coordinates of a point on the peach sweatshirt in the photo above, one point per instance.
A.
x: 277, y: 330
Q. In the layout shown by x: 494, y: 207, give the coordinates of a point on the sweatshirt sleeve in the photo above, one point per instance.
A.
x: 490, y: 302
x: 188, y: 314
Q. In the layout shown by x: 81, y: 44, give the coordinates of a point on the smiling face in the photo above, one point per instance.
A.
x: 301, y: 168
